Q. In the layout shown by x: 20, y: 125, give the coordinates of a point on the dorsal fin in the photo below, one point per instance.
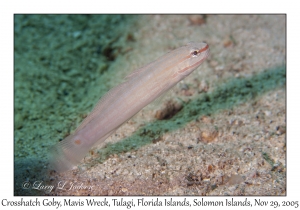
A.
x: 137, y: 72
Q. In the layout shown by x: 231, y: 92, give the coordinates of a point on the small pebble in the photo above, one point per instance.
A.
x: 197, y: 19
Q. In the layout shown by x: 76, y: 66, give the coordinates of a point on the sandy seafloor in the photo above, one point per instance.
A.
x: 225, y: 132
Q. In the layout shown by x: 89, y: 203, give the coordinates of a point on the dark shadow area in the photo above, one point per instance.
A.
x: 232, y: 93
x: 29, y: 177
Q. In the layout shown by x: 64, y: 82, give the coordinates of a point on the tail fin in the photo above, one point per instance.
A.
x: 70, y: 151
x: 67, y: 153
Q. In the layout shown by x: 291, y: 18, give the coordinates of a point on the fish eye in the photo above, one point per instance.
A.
x: 194, y: 52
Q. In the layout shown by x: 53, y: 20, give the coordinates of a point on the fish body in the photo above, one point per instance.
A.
x: 125, y: 100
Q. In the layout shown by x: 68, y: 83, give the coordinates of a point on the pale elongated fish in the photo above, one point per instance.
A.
x: 123, y: 101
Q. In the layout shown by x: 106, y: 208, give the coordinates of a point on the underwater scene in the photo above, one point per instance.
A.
x: 220, y: 129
